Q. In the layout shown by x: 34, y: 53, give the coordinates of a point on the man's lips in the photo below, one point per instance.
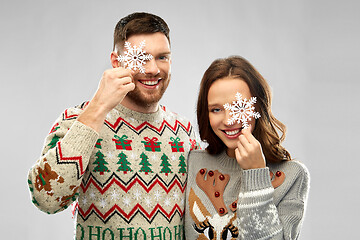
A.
x: 150, y: 82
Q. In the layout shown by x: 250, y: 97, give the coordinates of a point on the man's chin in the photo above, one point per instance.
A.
x: 143, y: 95
x: 142, y: 99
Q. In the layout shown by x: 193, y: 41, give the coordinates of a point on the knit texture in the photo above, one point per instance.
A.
x: 127, y: 182
x: 265, y: 203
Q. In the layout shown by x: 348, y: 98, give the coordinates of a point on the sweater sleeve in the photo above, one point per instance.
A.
x: 259, y: 218
x: 56, y: 176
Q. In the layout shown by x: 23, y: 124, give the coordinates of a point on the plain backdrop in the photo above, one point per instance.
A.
x: 53, y: 53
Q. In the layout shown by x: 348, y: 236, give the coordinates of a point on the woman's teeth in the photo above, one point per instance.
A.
x: 233, y: 132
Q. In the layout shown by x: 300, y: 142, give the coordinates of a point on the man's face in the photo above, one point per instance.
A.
x: 150, y: 86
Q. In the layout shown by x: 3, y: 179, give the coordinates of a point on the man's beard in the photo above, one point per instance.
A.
x: 143, y: 99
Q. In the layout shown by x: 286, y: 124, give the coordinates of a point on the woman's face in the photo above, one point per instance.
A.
x: 223, y: 91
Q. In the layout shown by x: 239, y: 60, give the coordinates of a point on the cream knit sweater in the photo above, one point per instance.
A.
x: 128, y: 181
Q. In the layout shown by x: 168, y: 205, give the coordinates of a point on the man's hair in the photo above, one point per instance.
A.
x: 266, y: 127
x: 138, y: 23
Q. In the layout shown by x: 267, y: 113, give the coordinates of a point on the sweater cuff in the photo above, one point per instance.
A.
x: 81, y: 138
x: 255, y: 179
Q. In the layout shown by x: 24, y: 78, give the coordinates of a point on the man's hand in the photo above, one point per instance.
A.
x: 249, y: 154
x: 114, y: 85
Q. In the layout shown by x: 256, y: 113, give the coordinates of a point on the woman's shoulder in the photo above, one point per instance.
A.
x: 292, y: 169
x: 292, y: 165
x: 294, y: 177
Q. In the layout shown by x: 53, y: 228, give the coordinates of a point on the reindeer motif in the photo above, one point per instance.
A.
x: 219, y: 226
x: 222, y: 225
x: 65, y: 200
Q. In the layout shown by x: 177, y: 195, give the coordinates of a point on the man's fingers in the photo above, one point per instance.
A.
x: 129, y: 87
x: 118, y: 73
x: 125, y: 80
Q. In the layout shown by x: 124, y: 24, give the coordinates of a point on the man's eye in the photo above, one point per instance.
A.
x: 164, y: 58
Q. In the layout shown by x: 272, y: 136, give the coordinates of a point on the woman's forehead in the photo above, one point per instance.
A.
x: 224, y: 89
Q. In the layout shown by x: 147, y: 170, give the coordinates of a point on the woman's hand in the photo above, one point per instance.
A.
x: 249, y: 153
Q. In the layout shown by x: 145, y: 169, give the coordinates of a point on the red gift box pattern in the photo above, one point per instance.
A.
x: 122, y: 143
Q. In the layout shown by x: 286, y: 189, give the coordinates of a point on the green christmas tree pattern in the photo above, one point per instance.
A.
x: 100, y: 162
x: 182, y: 165
x: 124, y: 163
x: 53, y: 142
x: 145, y: 164
x: 98, y: 143
x: 165, y: 164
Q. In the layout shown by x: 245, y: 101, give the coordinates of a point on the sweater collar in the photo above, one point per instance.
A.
x: 128, y: 113
x: 227, y: 162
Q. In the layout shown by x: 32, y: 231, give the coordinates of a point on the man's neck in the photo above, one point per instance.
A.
x: 149, y: 108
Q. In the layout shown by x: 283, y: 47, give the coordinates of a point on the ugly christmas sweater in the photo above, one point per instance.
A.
x: 224, y: 201
x: 128, y: 181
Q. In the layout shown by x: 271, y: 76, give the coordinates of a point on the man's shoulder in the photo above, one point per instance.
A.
x: 73, y: 112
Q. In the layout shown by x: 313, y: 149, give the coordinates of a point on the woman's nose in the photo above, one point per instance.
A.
x: 226, y: 118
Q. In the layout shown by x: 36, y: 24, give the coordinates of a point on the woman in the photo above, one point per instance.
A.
x: 244, y: 185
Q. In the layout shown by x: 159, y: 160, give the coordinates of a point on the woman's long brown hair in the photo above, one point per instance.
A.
x: 267, y: 127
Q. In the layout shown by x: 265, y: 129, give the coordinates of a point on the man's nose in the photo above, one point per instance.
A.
x: 151, y: 67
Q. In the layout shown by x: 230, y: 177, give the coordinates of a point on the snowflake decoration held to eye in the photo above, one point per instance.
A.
x: 242, y: 110
x: 135, y: 57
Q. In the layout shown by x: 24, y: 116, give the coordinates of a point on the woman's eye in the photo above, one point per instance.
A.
x: 215, y: 110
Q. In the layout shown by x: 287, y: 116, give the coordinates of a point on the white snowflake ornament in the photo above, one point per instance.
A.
x: 242, y: 110
x: 135, y: 57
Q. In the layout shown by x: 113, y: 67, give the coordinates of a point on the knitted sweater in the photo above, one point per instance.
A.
x: 128, y: 181
x: 224, y: 201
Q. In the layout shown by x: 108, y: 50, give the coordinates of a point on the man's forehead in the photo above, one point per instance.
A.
x: 156, y: 42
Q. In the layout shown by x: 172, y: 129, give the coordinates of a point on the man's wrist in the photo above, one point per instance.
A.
x: 93, y: 116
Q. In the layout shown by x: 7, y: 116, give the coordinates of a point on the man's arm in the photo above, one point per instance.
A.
x: 56, y: 176
x: 114, y: 86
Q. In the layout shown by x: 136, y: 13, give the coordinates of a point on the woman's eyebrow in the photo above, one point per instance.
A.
x: 213, y: 105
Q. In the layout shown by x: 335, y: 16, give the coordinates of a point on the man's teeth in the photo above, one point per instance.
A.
x: 150, y: 83
x: 233, y: 132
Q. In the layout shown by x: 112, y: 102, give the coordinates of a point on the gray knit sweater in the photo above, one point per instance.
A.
x: 224, y: 201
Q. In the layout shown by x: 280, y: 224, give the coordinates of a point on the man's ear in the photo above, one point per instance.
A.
x: 113, y: 59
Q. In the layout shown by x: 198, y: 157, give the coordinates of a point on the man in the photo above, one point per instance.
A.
x: 121, y: 155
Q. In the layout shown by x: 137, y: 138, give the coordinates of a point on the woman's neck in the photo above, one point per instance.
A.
x: 230, y: 152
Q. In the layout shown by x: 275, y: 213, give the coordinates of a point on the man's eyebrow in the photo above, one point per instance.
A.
x: 164, y: 53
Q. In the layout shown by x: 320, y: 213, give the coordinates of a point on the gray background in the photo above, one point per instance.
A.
x: 53, y: 53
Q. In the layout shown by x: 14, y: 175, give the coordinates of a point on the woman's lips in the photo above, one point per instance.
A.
x: 232, y: 133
